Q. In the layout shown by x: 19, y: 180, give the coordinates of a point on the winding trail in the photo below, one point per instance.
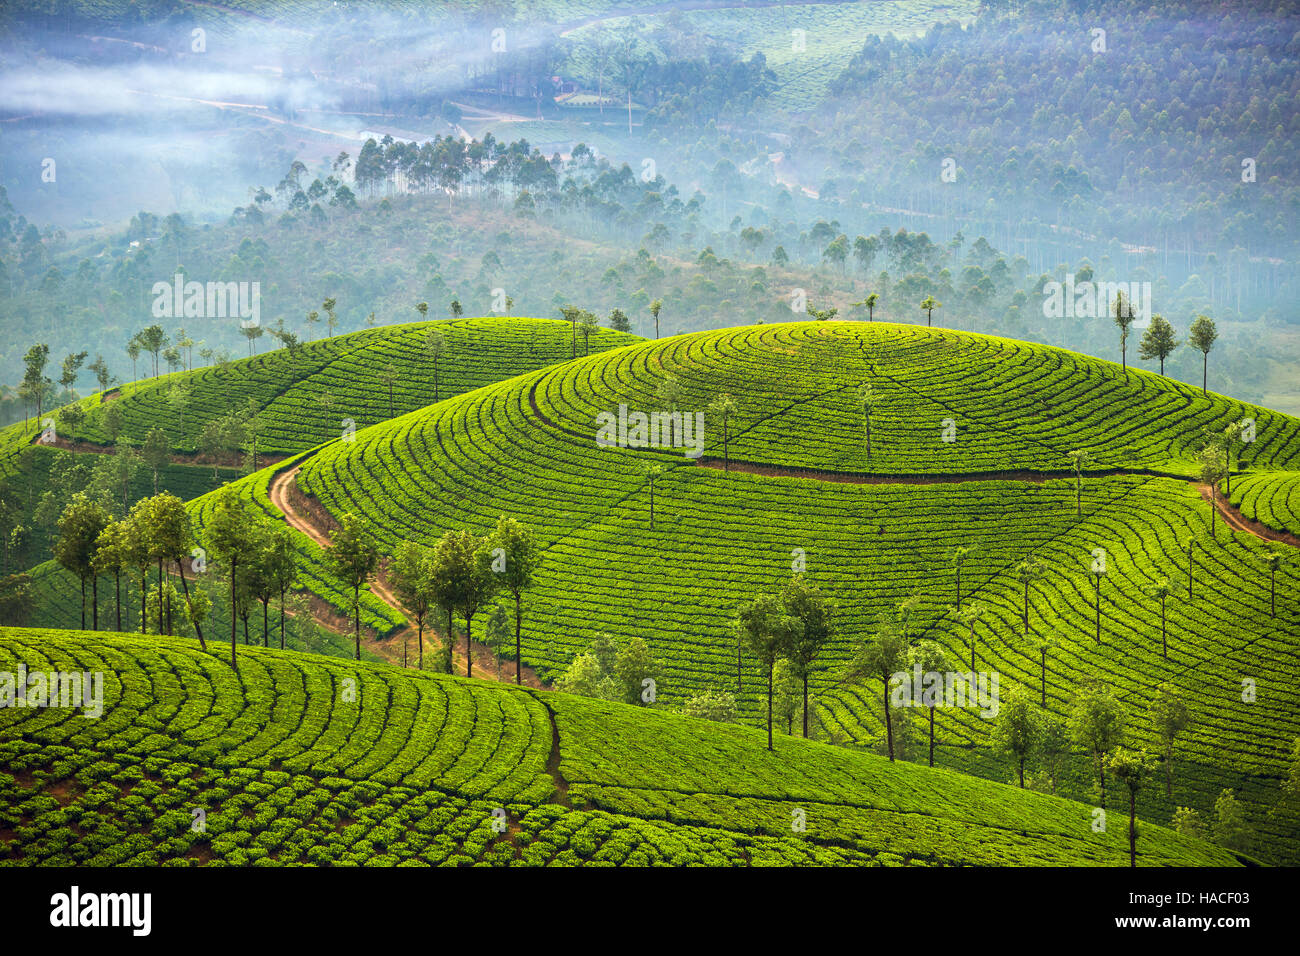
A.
x: 1239, y: 522
x: 282, y: 490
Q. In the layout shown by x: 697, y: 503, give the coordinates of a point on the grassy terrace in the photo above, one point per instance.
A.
x: 526, y: 447
x: 303, y: 759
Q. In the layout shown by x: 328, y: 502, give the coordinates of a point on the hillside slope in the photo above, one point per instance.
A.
x: 301, y: 398
x: 303, y: 759
x: 875, y: 530
x: 297, y: 400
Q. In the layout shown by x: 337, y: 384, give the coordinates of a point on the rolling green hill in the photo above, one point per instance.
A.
x: 304, y: 759
x: 296, y: 400
x: 302, y: 397
x: 872, y: 530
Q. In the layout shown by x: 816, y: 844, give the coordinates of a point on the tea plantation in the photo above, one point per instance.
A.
x: 299, y: 759
x: 302, y: 396
x: 970, y: 438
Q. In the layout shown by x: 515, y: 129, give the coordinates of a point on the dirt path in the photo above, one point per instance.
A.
x: 285, y: 495
x: 188, y: 458
x: 863, y: 478
x: 1239, y: 522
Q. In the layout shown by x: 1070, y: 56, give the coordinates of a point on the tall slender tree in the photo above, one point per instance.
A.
x: 879, y: 657
x: 930, y: 658
x: 226, y: 535
x: 723, y: 407
x: 810, y: 627
x: 765, y: 625
x: 1201, y: 336
x: 520, y: 557
x: 80, y: 525
x: 1131, y: 768
x: 353, y: 556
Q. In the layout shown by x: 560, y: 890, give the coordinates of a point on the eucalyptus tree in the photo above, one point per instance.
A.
x: 870, y: 302
x: 412, y: 575
x: 520, y: 557
x: 969, y: 616
x: 723, y: 407
x: 1029, y: 572
x: 80, y: 525
x: 1079, y: 460
x: 1158, y: 342
x: 1273, y: 561
x: 112, y: 555
x: 226, y: 534
x: 928, y: 305
x: 449, y: 572
x: 435, y: 347
x: 958, y: 557
x: 1097, y: 723
x: 1201, y: 336
x: 174, y: 537
x: 331, y: 316
x: 1213, y: 468
x: 480, y: 585
x: 1131, y: 767
x: 1231, y: 440
x: 1124, y: 319
x: 1171, y: 718
x: 353, y: 556
x: 765, y: 625
x: 656, y: 306
x: 1161, y: 590
x: 930, y: 658
x: 653, y: 473
x: 282, y: 568
x: 1098, y: 573
x: 879, y: 657
x: 1016, y: 731
x: 1042, y: 643
x: 810, y: 627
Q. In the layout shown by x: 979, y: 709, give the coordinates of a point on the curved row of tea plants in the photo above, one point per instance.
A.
x: 520, y: 448
x: 302, y: 759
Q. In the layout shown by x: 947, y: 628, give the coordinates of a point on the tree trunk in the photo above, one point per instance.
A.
x: 185, y: 587
x: 469, y: 646
x: 889, y: 723
x: 266, y: 630
x: 518, y: 617
x: 83, y: 601
x: 234, y: 563
x: 117, y: 597
x: 1021, y: 768
x: 1026, y: 611
x: 144, y: 597
x: 356, y: 616
x: 1205, y: 372
x: 1132, y: 829
x: 1101, y: 772
x: 805, y: 705
x: 770, y: 668
x: 1044, y: 676
x: 282, y: 620
x: 94, y: 601
x: 932, y: 737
